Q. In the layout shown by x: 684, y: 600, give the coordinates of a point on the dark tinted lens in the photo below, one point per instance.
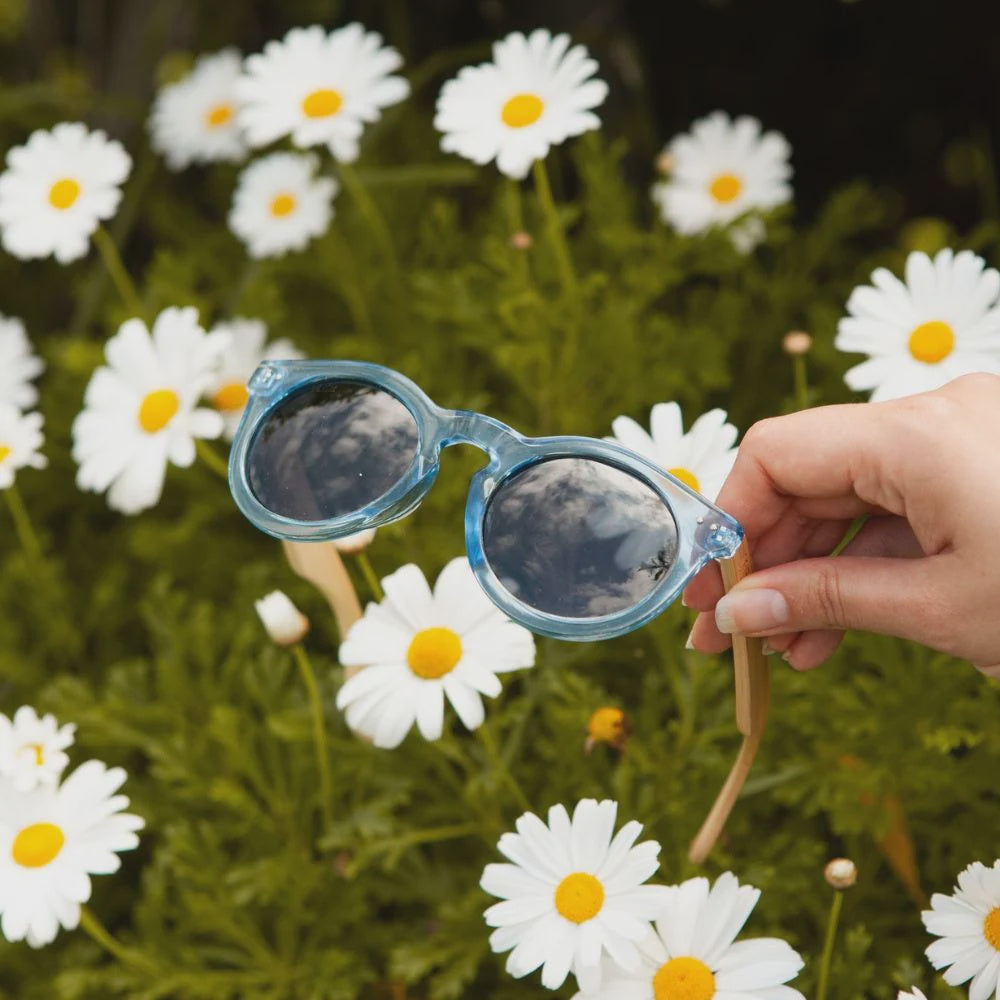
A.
x: 577, y: 538
x: 331, y: 449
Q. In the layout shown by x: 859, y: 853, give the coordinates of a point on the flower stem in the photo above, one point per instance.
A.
x: 212, y: 459
x: 103, y: 937
x: 831, y: 934
x: 22, y: 523
x: 319, y: 731
x: 117, y: 272
x: 372, y: 216
x: 493, y: 753
x: 371, y: 578
x: 801, y: 381
x: 557, y: 238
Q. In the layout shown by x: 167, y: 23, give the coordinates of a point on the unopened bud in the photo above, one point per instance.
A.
x: 841, y: 873
x: 664, y: 163
x: 284, y: 622
x: 521, y: 240
x: 607, y: 725
x: 797, y: 342
x: 350, y: 544
x: 914, y: 994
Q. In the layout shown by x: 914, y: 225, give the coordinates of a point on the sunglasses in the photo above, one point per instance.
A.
x: 572, y: 537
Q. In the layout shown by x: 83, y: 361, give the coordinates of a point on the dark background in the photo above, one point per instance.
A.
x: 901, y: 92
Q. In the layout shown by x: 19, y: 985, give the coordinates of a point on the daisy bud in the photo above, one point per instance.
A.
x: 841, y: 873
x: 664, y: 163
x: 607, y: 725
x: 284, y: 622
x: 797, y: 342
x: 521, y: 240
x: 352, y: 544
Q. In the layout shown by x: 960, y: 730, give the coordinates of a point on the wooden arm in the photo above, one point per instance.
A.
x: 753, y: 688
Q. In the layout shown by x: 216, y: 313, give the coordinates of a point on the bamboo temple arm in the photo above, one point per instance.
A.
x: 753, y: 688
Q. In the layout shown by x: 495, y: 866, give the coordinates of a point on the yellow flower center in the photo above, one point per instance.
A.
x: 63, y: 193
x: 232, y: 396
x: 5, y: 450
x: 434, y: 652
x: 687, y: 477
x: 37, y: 845
x: 991, y: 927
x: 283, y: 204
x: 606, y: 725
x: 36, y: 749
x: 219, y: 115
x: 932, y: 342
x: 157, y: 410
x: 725, y: 188
x: 684, y: 979
x: 322, y: 103
x: 579, y: 897
x: 521, y: 110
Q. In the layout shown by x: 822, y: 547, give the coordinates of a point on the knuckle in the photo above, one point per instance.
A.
x: 826, y: 598
x: 974, y: 384
x: 756, y: 439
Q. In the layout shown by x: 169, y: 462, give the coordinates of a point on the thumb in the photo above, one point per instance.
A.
x: 902, y: 597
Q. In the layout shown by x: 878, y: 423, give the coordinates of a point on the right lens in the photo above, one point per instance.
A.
x: 578, y: 538
x: 330, y: 449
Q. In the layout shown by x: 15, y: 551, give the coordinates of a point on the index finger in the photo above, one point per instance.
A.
x: 824, y: 464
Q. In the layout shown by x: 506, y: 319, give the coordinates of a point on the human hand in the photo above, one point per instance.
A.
x: 925, y: 565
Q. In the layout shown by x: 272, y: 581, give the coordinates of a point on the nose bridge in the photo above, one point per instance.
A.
x: 480, y: 430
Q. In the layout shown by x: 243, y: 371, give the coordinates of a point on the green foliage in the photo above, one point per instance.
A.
x: 142, y: 630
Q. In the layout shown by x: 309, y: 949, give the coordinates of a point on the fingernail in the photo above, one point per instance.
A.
x: 689, y: 644
x: 684, y: 601
x: 751, y: 611
x: 768, y: 649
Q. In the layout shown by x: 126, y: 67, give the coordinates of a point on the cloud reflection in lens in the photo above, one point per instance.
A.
x: 331, y: 449
x: 578, y: 538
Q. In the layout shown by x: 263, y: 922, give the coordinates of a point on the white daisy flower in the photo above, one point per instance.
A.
x: 279, y: 205
x: 572, y: 894
x: 968, y: 925
x: 20, y: 439
x: 56, y: 190
x: 140, y: 411
x: 284, y: 623
x: 194, y: 119
x: 720, y: 170
x: 319, y: 88
x: 692, y: 953
x: 418, y: 647
x: 248, y: 347
x: 942, y: 323
x: 18, y: 365
x: 701, y: 459
x: 536, y: 94
x: 51, y: 841
x: 31, y: 749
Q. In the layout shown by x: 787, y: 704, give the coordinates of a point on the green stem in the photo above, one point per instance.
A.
x: 831, y: 934
x: 557, y: 238
x: 319, y: 732
x: 801, y: 381
x: 372, y: 216
x: 103, y: 937
x: 116, y: 270
x: 22, y: 523
x: 493, y: 753
x: 212, y: 459
x: 371, y: 578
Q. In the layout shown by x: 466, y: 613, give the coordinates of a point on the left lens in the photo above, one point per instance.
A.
x: 578, y: 538
x: 330, y: 449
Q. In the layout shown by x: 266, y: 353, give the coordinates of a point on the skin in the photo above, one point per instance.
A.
x: 926, y: 564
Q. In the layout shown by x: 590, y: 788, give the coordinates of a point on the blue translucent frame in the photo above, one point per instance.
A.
x: 704, y: 533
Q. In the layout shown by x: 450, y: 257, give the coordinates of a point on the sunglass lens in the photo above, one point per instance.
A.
x: 577, y: 538
x: 331, y: 449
